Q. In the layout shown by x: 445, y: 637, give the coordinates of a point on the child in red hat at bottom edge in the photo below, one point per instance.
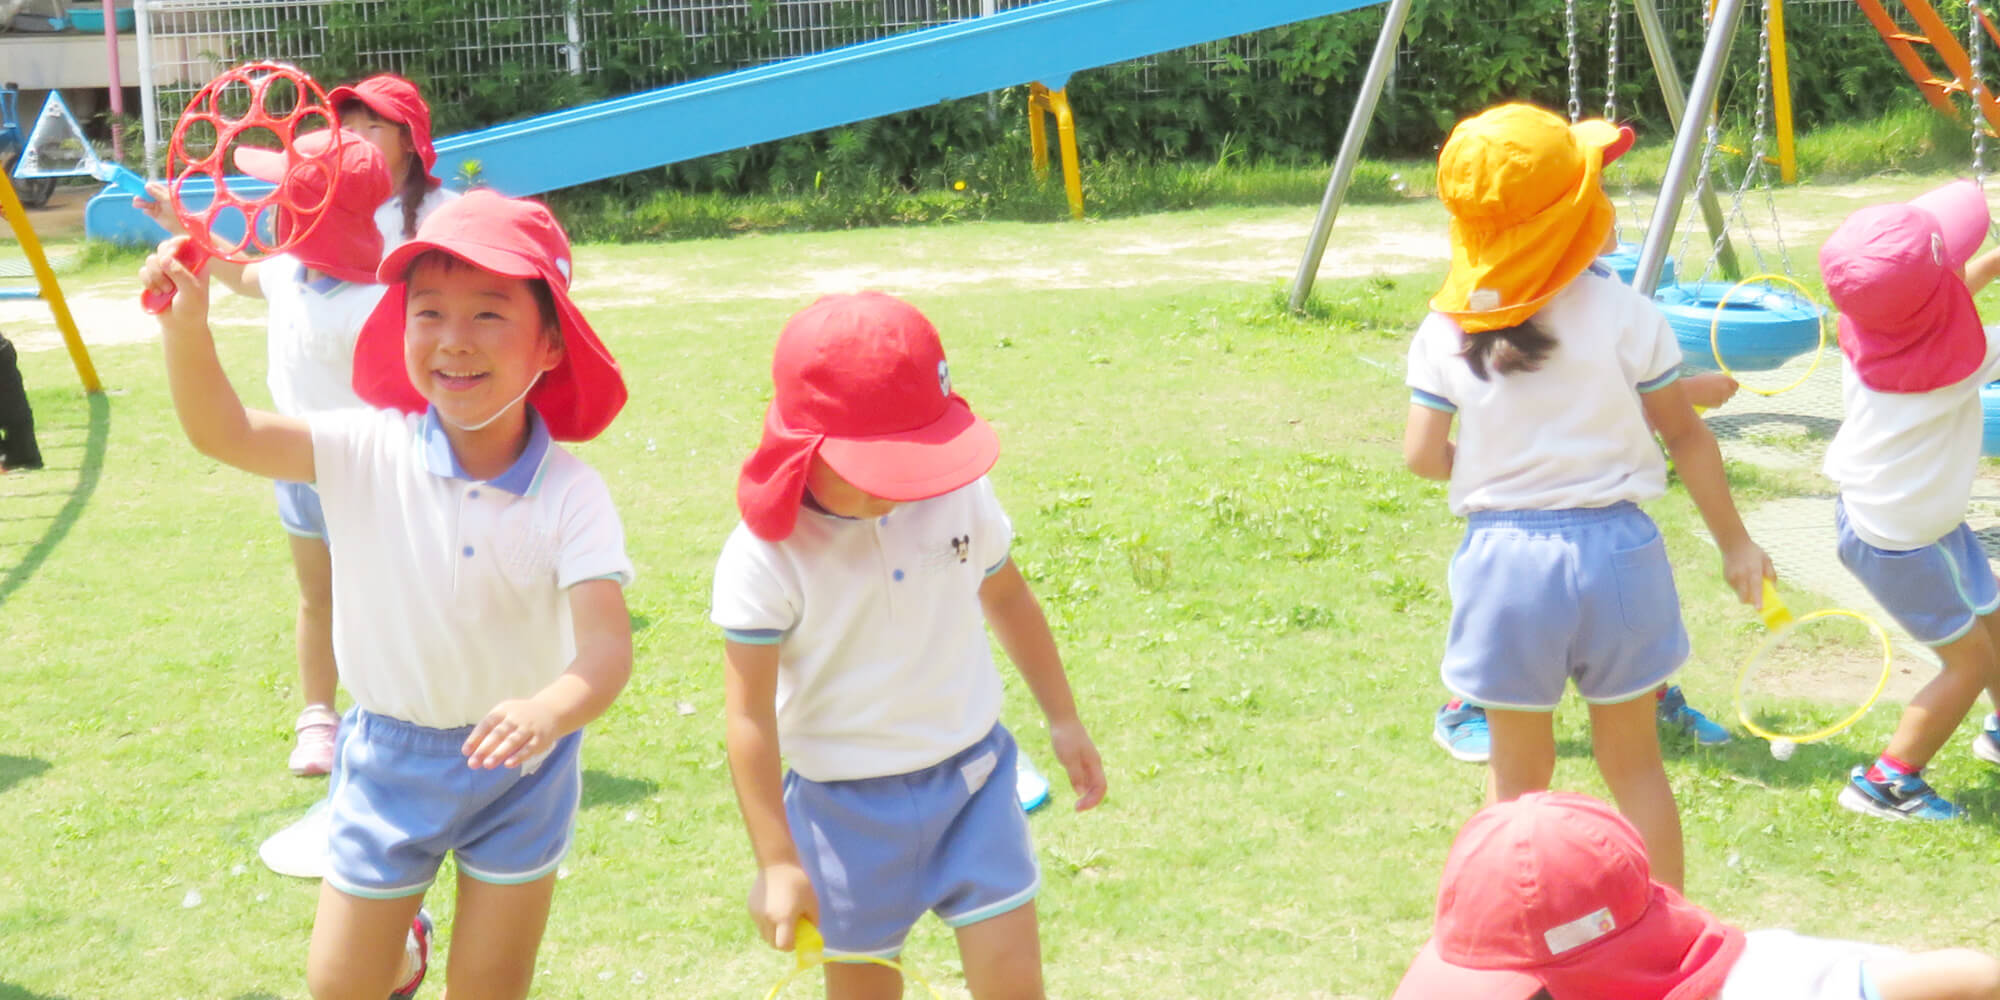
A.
x: 478, y: 576
x: 851, y: 598
x: 1550, y: 897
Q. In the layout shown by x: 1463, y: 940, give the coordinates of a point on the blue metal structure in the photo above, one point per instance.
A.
x: 1044, y: 42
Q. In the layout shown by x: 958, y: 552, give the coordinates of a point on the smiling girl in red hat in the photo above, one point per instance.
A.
x: 479, y: 574
x: 854, y: 599
x: 390, y: 113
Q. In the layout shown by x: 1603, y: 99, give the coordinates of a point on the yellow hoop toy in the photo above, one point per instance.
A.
x: 1778, y: 619
x: 811, y: 951
x: 1715, y: 333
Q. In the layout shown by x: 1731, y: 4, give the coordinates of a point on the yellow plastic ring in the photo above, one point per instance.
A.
x: 1715, y: 333
x: 1743, y: 676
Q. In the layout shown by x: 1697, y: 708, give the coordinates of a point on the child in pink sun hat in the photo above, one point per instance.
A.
x: 1903, y: 276
x: 479, y: 571
x: 854, y: 599
x: 1551, y: 897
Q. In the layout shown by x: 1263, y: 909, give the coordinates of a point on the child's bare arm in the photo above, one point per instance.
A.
x: 1981, y: 270
x: 1699, y: 463
x: 1017, y: 621
x: 211, y: 414
x: 1427, y: 447
x: 515, y: 731
x: 781, y: 893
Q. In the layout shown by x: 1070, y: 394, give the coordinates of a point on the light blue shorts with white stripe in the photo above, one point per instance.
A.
x: 1540, y: 598
x: 1936, y: 592
x: 950, y: 839
x: 402, y: 796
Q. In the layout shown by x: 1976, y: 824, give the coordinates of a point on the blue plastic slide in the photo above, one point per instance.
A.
x: 1044, y: 42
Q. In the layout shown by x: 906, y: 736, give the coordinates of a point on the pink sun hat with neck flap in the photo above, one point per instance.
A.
x: 1907, y: 321
x: 860, y: 381
x: 1552, y: 891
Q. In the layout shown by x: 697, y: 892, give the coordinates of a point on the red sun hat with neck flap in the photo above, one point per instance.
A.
x: 861, y: 382
x: 513, y: 238
x: 395, y: 99
x: 1553, y: 891
x: 344, y: 243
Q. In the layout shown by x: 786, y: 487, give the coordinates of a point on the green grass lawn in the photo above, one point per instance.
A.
x: 1209, y: 499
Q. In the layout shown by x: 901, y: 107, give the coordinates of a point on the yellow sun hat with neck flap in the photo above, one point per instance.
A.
x: 1528, y: 211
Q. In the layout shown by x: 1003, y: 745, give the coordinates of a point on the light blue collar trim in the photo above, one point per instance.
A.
x: 520, y: 479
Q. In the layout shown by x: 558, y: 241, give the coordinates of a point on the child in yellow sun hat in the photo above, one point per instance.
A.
x: 1559, y: 375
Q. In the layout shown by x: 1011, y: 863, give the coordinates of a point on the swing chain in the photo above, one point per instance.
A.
x: 1759, y: 162
x: 1611, y: 112
x: 1975, y: 89
x: 1575, y: 62
x: 1711, y: 138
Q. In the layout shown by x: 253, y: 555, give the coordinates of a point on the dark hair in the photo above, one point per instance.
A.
x: 416, y: 181
x: 545, y: 299
x: 1519, y: 348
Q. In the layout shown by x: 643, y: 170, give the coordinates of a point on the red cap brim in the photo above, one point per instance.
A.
x: 1962, y: 217
x: 1432, y: 978
x: 952, y: 451
x: 1949, y: 351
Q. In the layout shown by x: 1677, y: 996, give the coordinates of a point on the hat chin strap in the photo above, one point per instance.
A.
x: 497, y: 414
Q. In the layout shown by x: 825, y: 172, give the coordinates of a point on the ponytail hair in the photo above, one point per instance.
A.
x: 416, y: 184
x: 1519, y: 348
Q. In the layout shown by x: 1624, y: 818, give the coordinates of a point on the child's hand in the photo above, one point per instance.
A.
x: 1746, y: 567
x: 778, y: 898
x: 514, y: 732
x: 162, y: 272
x: 1078, y: 756
x: 161, y: 208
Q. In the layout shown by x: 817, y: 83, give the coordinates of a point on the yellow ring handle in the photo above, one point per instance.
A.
x: 1715, y: 333
x: 1743, y: 676
x: 811, y: 951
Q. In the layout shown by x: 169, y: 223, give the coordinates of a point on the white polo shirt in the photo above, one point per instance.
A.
x: 1905, y: 461
x: 310, y: 345
x: 1571, y: 433
x: 450, y: 595
x: 883, y: 661
x: 389, y: 215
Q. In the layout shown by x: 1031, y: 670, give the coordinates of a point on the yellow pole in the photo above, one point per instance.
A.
x: 1066, y: 133
x: 1038, y: 130
x: 17, y: 217
x: 1781, y: 95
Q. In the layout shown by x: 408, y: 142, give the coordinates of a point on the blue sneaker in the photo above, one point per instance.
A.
x: 1903, y: 796
x: 1462, y: 733
x: 1675, y: 711
x: 1986, y: 746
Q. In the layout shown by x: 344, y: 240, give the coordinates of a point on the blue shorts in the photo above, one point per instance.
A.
x: 299, y: 511
x: 401, y: 796
x: 1936, y: 593
x: 1542, y: 597
x: 951, y: 839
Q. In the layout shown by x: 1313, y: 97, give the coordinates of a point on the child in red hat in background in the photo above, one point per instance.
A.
x: 390, y: 113
x: 318, y: 293
x: 854, y: 599
x: 479, y: 576
x: 1903, y: 277
x: 1550, y: 896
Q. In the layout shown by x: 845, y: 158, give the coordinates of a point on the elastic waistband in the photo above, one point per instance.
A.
x: 1551, y: 520
x: 387, y: 730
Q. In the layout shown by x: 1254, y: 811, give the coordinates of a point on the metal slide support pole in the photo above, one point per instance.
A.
x: 1379, y: 66
x: 149, y: 109
x: 1686, y: 154
x: 1671, y: 95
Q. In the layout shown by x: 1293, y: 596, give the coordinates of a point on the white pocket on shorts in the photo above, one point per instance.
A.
x: 977, y: 770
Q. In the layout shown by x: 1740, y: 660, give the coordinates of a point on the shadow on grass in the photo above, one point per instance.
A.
x: 66, y: 516
x: 9, y: 991
x: 1736, y: 426
x: 239, y: 996
x: 601, y: 789
x: 1749, y: 759
x: 14, y: 770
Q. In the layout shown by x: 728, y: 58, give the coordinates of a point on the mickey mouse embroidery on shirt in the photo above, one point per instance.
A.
x: 961, y: 546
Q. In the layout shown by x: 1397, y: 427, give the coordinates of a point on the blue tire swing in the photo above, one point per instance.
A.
x: 1989, y: 401
x: 1749, y: 325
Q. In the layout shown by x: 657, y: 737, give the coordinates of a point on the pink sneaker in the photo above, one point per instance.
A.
x: 313, y: 755
x: 417, y: 947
